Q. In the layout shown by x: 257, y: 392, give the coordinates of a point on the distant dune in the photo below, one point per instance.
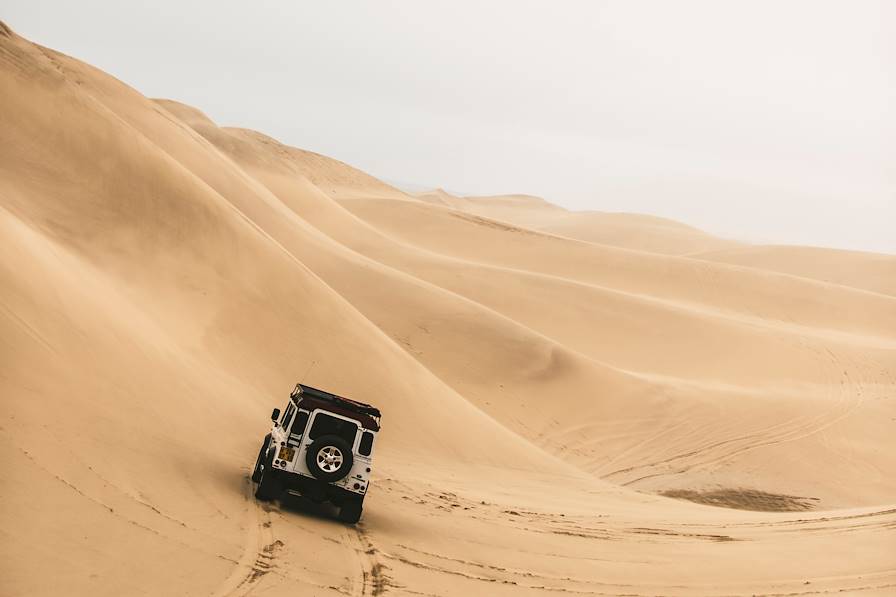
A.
x: 633, y: 231
x: 868, y: 271
x: 574, y: 402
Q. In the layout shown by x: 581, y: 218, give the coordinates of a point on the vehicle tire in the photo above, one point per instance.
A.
x: 259, y: 462
x: 329, y: 458
x: 350, y: 511
x: 268, y: 487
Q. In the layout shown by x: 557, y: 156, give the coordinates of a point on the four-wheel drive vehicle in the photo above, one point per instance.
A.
x: 321, y: 448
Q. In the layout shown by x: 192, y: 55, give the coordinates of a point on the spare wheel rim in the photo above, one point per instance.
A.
x: 329, y: 459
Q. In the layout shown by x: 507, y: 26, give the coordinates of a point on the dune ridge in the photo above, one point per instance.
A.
x: 574, y: 402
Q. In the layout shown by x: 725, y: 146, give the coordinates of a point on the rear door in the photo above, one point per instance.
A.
x: 326, y: 423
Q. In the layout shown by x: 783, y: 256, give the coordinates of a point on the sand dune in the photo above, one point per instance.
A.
x: 632, y: 231
x: 868, y: 271
x: 577, y: 403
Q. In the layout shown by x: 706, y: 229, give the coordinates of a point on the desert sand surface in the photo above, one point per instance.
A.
x: 574, y: 403
x: 629, y: 230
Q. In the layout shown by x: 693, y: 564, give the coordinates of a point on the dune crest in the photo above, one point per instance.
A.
x: 584, y: 403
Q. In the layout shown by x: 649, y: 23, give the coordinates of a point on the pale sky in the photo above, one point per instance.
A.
x: 771, y: 122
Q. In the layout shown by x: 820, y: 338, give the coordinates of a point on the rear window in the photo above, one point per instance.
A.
x: 287, y: 416
x: 366, y: 444
x: 324, y: 424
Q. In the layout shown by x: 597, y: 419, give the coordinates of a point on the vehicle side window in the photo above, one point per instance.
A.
x: 287, y: 416
x: 324, y: 424
x: 365, y: 446
x: 298, y: 428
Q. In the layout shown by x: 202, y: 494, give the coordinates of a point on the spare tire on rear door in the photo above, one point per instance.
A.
x: 329, y: 458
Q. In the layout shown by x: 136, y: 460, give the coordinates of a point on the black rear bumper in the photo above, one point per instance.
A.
x: 314, y: 489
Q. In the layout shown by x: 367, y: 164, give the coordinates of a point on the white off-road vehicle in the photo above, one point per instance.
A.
x: 322, y: 448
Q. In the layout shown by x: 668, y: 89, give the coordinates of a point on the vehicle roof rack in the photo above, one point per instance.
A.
x: 327, y: 397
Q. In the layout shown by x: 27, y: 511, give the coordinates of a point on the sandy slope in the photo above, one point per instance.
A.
x: 545, y: 377
x: 868, y: 271
x: 632, y: 231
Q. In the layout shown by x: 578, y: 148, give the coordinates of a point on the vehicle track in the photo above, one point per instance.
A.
x: 259, y: 550
x: 374, y: 580
x: 844, y: 390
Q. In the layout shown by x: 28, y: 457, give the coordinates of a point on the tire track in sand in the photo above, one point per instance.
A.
x: 845, y: 391
x: 259, y: 550
x: 374, y: 580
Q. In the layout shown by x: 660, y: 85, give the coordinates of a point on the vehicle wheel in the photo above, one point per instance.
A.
x: 329, y: 458
x: 268, y: 487
x: 259, y: 462
x: 350, y: 511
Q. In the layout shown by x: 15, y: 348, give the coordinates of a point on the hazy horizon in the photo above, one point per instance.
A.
x: 767, y: 122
